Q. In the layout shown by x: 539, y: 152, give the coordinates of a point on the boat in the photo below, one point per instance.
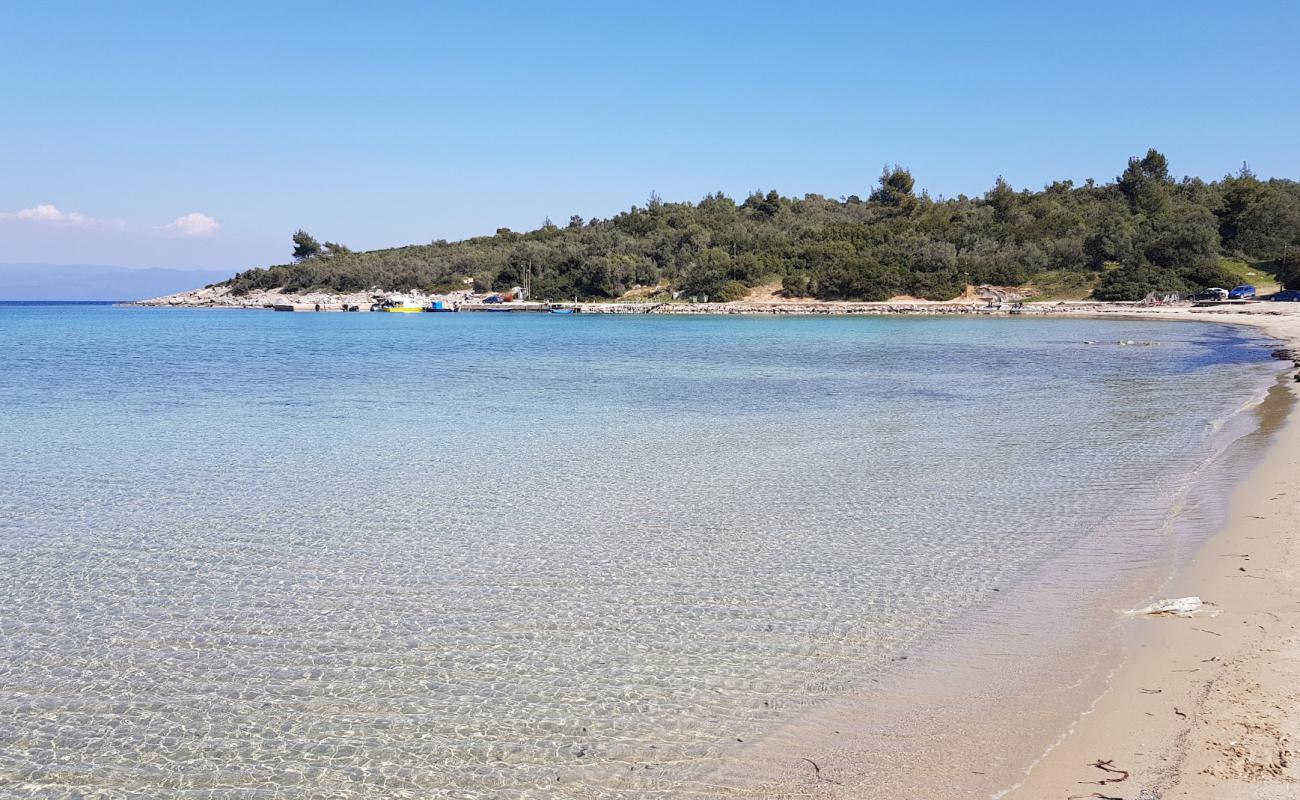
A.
x: 401, y: 305
x: 564, y: 311
x: 439, y: 307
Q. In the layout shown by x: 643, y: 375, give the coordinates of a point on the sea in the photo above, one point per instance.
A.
x: 248, y: 554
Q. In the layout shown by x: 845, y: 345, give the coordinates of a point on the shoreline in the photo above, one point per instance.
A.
x: 219, y: 298
x: 1207, y: 706
x: 1191, y: 708
x: 1020, y: 719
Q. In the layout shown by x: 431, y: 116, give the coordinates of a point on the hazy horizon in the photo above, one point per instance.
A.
x: 90, y: 282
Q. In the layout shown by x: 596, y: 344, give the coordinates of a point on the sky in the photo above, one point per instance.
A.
x: 203, y: 135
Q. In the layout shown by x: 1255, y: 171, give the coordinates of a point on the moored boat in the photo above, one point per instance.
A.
x: 400, y: 305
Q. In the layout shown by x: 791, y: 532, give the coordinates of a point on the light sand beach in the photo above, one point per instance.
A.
x: 1208, y: 706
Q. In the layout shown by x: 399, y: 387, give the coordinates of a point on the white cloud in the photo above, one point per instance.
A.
x: 193, y: 225
x: 49, y: 214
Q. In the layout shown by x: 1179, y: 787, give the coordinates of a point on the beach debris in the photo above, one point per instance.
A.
x: 1108, y: 766
x: 1182, y: 714
x: 817, y: 771
x: 1174, y: 607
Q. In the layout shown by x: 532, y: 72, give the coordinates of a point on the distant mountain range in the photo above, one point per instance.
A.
x: 98, y: 282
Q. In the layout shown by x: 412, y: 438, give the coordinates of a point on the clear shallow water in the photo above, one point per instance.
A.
x: 297, y: 555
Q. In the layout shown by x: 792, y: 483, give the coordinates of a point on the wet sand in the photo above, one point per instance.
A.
x: 1072, y: 699
x: 1207, y: 707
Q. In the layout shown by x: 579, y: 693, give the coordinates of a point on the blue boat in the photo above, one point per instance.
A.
x: 564, y: 311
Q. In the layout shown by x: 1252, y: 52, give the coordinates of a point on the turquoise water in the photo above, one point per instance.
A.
x: 306, y: 555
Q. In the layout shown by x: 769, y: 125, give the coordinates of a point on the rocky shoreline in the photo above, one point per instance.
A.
x: 465, y: 300
x: 838, y: 308
x: 221, y: 297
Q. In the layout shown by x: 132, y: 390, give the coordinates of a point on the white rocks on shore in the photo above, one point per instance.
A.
x: 221, y: 297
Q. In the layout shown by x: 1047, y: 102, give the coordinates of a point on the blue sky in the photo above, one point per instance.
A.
x: 188, y: 135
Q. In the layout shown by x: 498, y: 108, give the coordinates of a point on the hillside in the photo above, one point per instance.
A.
x: 1143, y: 232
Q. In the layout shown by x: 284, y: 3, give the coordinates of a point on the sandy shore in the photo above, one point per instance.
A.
x: 1208, y: 707
x: 1098, y: 705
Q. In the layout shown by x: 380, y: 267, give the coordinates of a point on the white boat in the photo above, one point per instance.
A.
x: 400, y: 304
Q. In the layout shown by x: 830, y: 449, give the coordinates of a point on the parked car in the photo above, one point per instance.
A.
x: 1209, y: 294
x: 493, y: 298
x: 1288, y: 296
x: 1242, y: 292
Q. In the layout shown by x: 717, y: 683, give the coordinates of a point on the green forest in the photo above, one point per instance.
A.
x: 1142, y: 232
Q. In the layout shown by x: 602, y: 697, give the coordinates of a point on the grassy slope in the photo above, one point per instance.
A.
x: 1253, y: 274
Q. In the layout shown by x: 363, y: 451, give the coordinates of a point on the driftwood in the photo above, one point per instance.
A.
x: 1108, y: 766
x: 817, y: 771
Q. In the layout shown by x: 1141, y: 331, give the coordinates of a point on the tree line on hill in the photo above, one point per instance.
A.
x: 1144, y: 232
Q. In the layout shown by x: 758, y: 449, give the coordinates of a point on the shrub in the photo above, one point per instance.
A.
x: 733, y: 291
x: 795, y: 285
x: 1288, y: 270
x: 1136, y: 281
